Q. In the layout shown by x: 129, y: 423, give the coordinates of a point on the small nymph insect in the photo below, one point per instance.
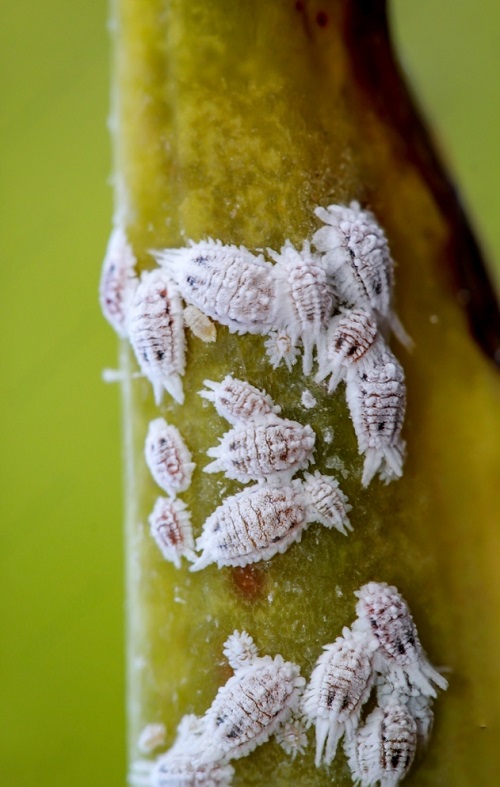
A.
x: 199, y: 324
x: 266, y: 450
x: 170, y: 524
x: 151, y: 738
x: 350, y: 336
x: 118, y: 281
x: 382, y: 751
x: 279, y: 347
x: 340, y: 685
x: 155, y: 327
x: 384, y: 615
x: 260, y: 698
x: 227, y: 283
x: 376, y: 397
x: 306, y: 297
x: 266, y: 519
x: 180, y: 766
x: 239, y: 402
x: 356, y: 253
x: 168, y: 457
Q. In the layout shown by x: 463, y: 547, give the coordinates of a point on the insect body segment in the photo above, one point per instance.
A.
x: 383, y: 749
x: 350, y: 336
x: 168, y: 457
x: 156, y: 330
x: 264, y: 520
x: 275, y: 448
x: 261, y: 696
x: 306, y: 297
x: 340, y: 685
x: 379, y: 654
x: 170, y: 524
x: 227, y: 283
x: 376, y: 397
x: 118, y: 281
x: 384, y: 614
x: 239, y: 402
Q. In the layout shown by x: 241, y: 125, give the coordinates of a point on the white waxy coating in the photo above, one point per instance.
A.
x: 268, y: 450
x: 170, y: 524
x: 350, y: 335
x: 340, y: 684
x: 264, y: 520
x: 384, y: 615
x: 253, y: 704
x: 227, y: 283
x: 382, y: 751
x: 326, y: 503
x: 118, y: 281
x: 151, y: 737
x: 168, y: 457
x: 306, y: 297
x: 156, y: 330
x: 240, y: 650
x: 239, y: 402
x: 201, y: 325
x: 292, y: 737
x: 181, y: 765
x: 357, y: 254
x: 280, y: 347
x: 376, y: 397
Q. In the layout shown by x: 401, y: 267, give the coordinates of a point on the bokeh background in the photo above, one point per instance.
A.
x: 61, y: 567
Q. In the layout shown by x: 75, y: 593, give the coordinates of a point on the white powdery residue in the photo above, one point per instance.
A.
x: 328, y: 435
x: 151, y: 738
x: 308, y: 400
x: 336, y: 463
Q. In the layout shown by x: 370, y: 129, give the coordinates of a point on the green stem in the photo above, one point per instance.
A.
x: 234, y: 120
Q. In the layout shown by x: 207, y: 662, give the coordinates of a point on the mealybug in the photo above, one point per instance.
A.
x: 170, y: 524
x: 168, y: 457
x: 239, y: 402
x: 156, y: 330
x: 229, y: 284
x: 118, y: 281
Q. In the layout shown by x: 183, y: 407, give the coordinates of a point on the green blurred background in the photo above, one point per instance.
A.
x: 61, y: 567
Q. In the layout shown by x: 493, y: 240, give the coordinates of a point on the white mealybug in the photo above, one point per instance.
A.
x: 266, y: 519
x: 382, y: 751
x: 118, y: 281
x: 199, y: 324
x: 180, y: 766
x: 170, y: 524
x: 306, y: 297
x: 326, y: 503
x: 279, y: 347
x: 376, y: 397
x: 340, y: 684
x: 292, y: 737
x: 267, y: 450
x: 156, y: 330
x: 227, y: 283
x: 239, y: 402
x: 350, y: 335
x: 395, y: 688
x: 384, y: 615
x: 357, y: 255
x: 151, y: 737
x: 261, y: 696
x: 168, y: 457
